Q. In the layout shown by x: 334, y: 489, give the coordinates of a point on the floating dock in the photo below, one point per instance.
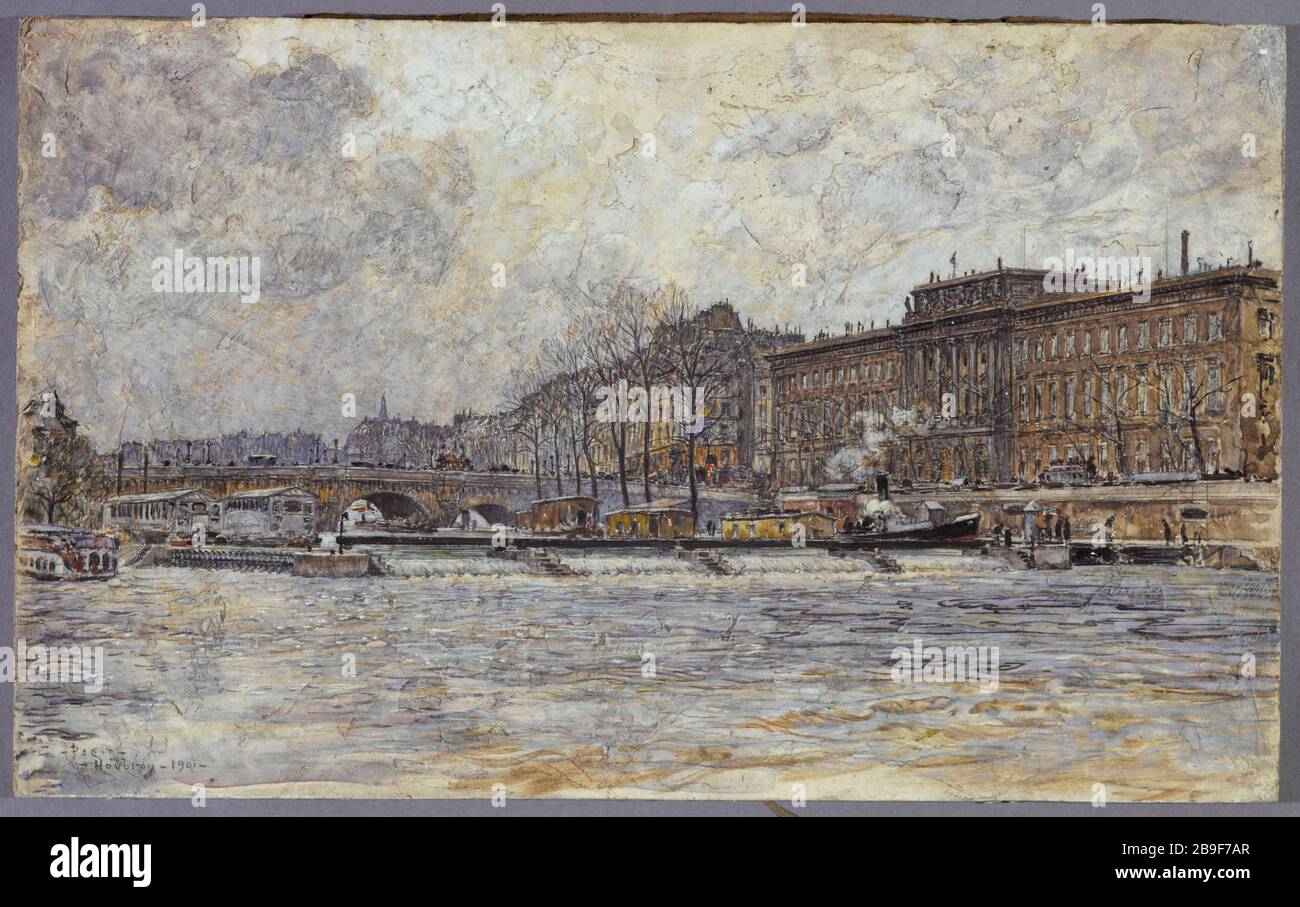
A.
x: 544, y: 555
x: 229, y: 557
x: 267, y: 560
x: 485, y: 540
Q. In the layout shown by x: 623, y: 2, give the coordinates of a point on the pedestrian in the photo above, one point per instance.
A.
x: 1182, y: 534
x: 1169, y: 532
x: 1065, y: 528
x: 1006, y: 536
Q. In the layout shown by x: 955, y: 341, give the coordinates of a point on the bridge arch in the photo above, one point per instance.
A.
x: 492, y: 509
x: 394, y: 505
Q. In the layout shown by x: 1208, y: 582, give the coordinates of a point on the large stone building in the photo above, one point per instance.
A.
x: 827, y: 396
x: 993, y: 378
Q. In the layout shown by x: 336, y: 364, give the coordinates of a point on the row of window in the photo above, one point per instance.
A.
x: 830, y: 419
x: 928, y: 364
x: 1188, y: 329
x: 1118, y: 394
x: 836, y: 376
x: 1071, y: 344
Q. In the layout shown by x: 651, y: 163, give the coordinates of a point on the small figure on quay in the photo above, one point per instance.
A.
x: 1032, y: 509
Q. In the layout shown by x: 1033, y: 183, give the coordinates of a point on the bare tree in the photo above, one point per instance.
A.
x: 585, y: 377
x: 636, y: 320
x: 1187, y: 394
x: 568, y: 357
x: 528, y: 416
x: 696, y: 361
x: 554, y: 403
x: 609, y: 361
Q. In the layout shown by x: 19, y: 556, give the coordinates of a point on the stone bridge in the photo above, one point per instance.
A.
x: 437, y: 495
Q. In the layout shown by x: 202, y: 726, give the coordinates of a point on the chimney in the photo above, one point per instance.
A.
x: 1185, y: 236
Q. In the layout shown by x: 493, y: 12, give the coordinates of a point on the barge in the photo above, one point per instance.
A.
x: 50, y: 552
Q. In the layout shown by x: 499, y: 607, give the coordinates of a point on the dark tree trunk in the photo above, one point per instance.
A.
x: 559, y: 461
x: 618, y: 431
x: 690, y: 472
x: 645, y: 454
x: 577, y: 465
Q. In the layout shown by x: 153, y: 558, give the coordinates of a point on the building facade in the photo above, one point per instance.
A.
x: 993, y: 379
x: 726, y: 445
x: 1184, y: 382
x: 830, y: 397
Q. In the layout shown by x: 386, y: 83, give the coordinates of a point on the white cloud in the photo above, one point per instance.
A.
x: 522, y: 146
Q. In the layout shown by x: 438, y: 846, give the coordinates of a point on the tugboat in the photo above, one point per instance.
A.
x: 50, y: 552
x: 888, y: 522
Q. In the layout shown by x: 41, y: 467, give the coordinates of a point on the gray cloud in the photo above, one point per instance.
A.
x: 523, y: 147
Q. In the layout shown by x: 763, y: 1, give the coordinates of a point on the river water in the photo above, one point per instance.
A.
x: 648, y: 678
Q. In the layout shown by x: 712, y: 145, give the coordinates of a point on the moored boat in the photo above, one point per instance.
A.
x: 964, y: 527
x: 52, y: 552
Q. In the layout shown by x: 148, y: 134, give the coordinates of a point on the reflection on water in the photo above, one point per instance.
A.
x: 661, y: 682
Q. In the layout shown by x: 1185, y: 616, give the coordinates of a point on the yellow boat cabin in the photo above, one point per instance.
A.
x: 777, y: 525
x: 572, y: 513
x: 663, y: 519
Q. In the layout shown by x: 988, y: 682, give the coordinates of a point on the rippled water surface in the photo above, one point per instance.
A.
x: 647, y: 677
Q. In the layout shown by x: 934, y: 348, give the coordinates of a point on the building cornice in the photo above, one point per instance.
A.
x: 1165, y: 292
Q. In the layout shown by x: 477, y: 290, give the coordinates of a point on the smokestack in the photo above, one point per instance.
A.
x: 1185, y: 236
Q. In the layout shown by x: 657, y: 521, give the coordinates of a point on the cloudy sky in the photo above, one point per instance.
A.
x: 526, y: 146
